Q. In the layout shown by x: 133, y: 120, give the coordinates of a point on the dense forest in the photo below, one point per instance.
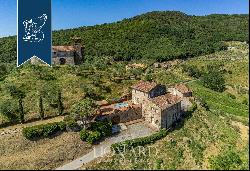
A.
x: 156, y: 35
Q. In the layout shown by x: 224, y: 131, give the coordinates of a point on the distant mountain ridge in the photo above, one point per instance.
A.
x: 157, y: 35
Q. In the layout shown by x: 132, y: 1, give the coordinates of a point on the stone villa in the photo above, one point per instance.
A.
x: 152, y: 102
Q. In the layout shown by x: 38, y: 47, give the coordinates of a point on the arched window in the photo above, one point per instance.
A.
x: 62, y: 61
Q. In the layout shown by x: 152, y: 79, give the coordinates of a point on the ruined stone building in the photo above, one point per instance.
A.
x: 68, y: 55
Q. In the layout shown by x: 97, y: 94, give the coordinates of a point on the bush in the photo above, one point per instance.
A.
x: 70, y: 122
x: 90, y: 136
x: 129, y: 144
x: 84, y: 134
x: 192, y: 71
x: 96, y: 131
x: 231, y: 96
x: 93, y: 136
x: 245, y: 102
x: 204, y: 104
x: 104, y: 127
x: 43, y: 131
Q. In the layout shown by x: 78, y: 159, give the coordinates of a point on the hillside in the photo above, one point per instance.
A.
x: 155, y: 35
x: 215, y: 139
x: 205, y: 139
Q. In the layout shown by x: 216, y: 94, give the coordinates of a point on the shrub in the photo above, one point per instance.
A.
x: 204, y: 104
x: 231, y: 95
x: 96, y: 131
x: 93, y: 136
x: 42, y: 131
x: 192, y: 71
x: 70, y: 122
x: 129, y: 144
x: 84, y: 134
x: 61, y: 125
x: 159, y: 163
x: 104, y: 127
x: 245, y: 101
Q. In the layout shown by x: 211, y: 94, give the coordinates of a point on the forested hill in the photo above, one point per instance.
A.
x: 159, y: 35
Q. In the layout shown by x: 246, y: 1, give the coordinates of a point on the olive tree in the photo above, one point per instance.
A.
x: 83, y: 110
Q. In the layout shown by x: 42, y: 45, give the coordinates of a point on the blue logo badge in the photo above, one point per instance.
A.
x: 34, y: 30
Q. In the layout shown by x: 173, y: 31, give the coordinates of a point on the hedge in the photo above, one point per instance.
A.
x: 43, y: 131
x: 129, y: 144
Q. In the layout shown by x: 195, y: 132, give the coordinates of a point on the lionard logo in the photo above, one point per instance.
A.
x: 34, y: 31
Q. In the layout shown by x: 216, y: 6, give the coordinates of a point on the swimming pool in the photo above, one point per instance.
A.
x: 119, y: 105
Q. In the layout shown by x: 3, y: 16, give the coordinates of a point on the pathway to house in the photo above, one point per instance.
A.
x: 131, y: 131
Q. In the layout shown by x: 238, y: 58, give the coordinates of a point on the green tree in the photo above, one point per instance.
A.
x: 3, y: 70
x: 84, y: 110
x: 59, y: 102
x: 18, y: 94
x: 41, y: 107
x: 10, y: 109
x: 192, y: 71
x: 214, y: 79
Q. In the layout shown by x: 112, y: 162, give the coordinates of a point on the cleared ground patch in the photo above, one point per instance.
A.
x: 16, y: 152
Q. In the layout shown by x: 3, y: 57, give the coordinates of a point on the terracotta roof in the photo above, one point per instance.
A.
x: 63, y: 48
x: 144, y: 86
x: 182, y: 88
x: 165, y: 100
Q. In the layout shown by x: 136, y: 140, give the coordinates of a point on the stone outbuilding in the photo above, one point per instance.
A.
x: 182, y: 90
x: 68, y: 55
x: 185, y: 93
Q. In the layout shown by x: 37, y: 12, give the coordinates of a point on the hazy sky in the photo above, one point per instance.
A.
x: 74, y: 13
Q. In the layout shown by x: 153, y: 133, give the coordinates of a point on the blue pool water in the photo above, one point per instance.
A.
x: 119, y: 105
